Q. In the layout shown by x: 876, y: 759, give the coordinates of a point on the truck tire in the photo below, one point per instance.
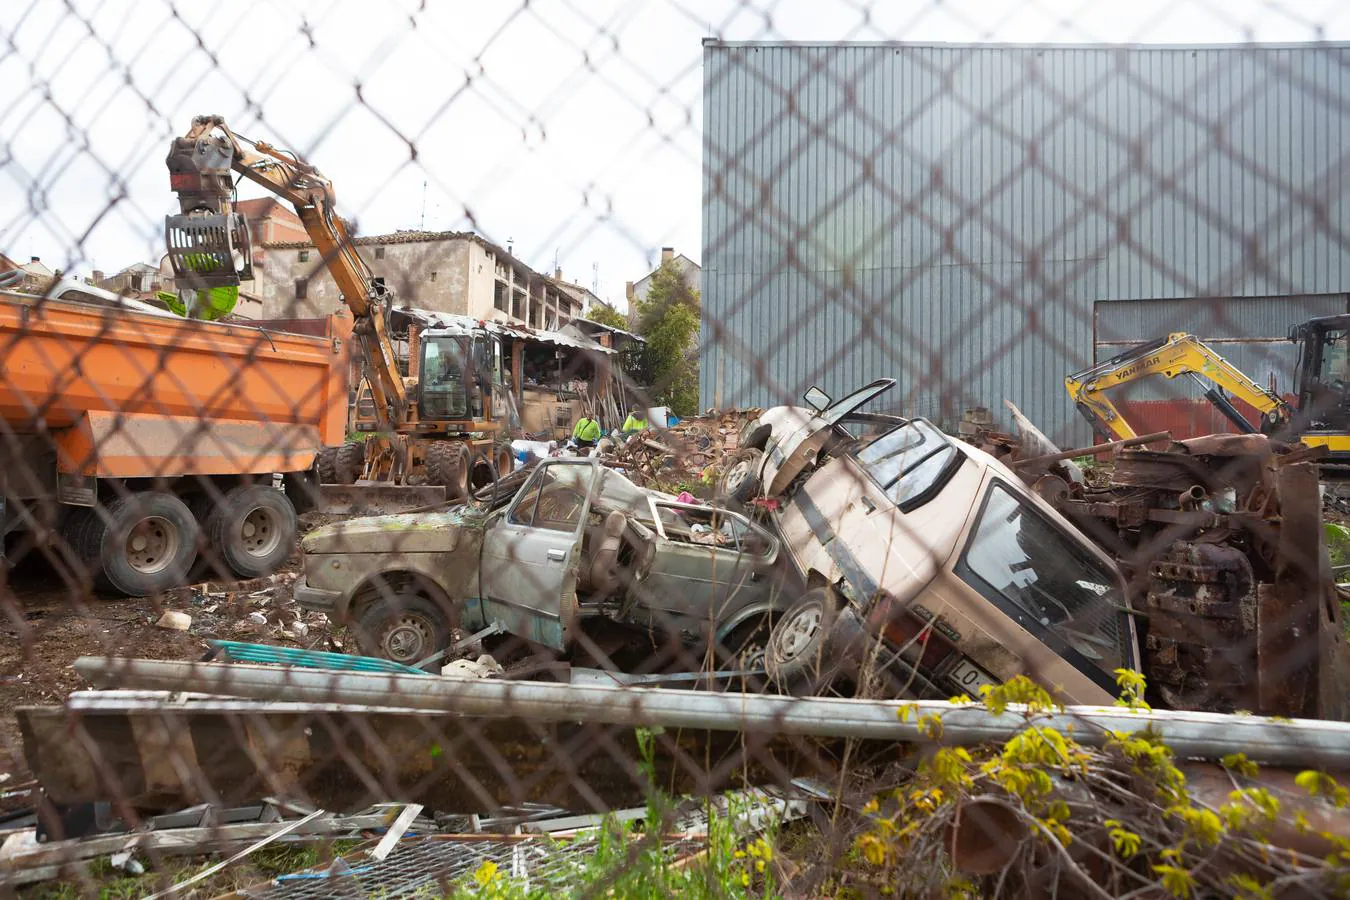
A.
x: 253, y: 529
x: 504, y: 458
x: 137, y: 545
x: 449, y: 464
x: 326, y: 463
x: 406, y: 628
x: 349, y: 463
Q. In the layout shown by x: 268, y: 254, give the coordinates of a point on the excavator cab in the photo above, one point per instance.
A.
x: 1324, y: 372
x: 208, y: 242
x: 460, y: 375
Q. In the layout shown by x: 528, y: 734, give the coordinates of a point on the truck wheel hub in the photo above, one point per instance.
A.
x: 152, y: 545
x: 259, y: 532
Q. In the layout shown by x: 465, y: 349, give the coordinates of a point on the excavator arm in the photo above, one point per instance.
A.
x: 209, y: 243
x: 1177, y: 354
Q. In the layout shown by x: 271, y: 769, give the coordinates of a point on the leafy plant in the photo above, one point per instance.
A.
x: 1120, y: 819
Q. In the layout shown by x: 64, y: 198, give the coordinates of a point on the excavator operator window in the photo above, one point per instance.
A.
x: 444, y: 387
x: 1329, y: 401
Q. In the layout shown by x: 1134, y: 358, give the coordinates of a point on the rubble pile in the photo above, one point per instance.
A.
x: 686, y: 455
x: 260, y: 609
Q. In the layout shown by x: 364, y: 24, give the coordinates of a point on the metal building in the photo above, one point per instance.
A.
x: 981, y: 220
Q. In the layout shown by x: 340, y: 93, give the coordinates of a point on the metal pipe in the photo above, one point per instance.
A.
x: 1302, y: 742
x: 1192, y: 497
x: 1095, y: 449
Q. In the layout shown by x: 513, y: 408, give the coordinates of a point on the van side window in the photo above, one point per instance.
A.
x: 910, y: 463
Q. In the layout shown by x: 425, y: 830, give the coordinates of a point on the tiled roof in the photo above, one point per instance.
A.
x: 398, y: 237
x: 265, y: 207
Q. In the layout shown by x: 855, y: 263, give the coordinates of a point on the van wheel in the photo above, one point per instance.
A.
x: 137, y: 545
x: 349, y: 463
x: 449, y: 464
x: 740, y: 475
x: 406, y: 628
x: 794, y: 658
x: 253, y: 529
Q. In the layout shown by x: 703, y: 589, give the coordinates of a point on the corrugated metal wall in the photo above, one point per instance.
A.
x: 949, y: 215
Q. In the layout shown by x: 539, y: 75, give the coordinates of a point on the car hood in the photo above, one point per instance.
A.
x: 432, y: 532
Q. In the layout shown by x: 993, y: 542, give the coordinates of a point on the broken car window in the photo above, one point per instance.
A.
x: 554, y: 498
x: 1018, y: 557
x: 910, y: 462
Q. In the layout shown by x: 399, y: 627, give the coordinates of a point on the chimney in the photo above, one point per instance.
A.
x: 36, y: 259
x: 557, y: 273
x: 98, y: 275
x: 628, y: 290
x: 667, y: 254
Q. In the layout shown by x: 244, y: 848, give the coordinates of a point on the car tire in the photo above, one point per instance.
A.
x: 137, y: 545
x: 349, y: 464
x: 795, y: 658
x: 739, y: 481
x: 405, y: 628
x: 253, y: 529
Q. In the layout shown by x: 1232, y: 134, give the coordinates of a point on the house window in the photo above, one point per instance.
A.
x: 433, y: 276
x: 499, y: 296
x: 304, y: 256
x: 379, y: 253
x: 301, y: 288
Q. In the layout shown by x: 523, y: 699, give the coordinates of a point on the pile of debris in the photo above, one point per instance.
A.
x: 686, y: 455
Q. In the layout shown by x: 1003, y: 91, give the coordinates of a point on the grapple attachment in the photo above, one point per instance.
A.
x: 209, y: 249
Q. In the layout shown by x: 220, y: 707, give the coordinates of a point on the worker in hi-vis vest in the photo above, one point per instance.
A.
x: 636, y: 421
x: 587, y: 432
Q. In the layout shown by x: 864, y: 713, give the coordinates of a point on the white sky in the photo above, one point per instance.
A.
x: 570, y: 127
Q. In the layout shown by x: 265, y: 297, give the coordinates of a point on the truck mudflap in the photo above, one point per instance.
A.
x: 377, y: 499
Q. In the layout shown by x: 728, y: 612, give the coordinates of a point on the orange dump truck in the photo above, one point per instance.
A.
x: 131, y: 441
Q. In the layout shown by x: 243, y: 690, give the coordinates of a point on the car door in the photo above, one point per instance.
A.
x: 531, y: 553
x: 691, y: 586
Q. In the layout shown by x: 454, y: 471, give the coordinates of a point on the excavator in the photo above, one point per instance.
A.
x: 1320, y: 419
x: 423, y: 448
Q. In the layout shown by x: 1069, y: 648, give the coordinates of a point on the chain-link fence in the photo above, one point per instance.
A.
x: 752, y: 448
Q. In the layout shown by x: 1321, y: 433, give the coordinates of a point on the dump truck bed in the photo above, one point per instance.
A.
x: 133, y: 394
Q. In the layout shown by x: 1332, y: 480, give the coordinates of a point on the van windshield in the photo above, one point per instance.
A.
x: 1052, y: 586
x: 910, y: 462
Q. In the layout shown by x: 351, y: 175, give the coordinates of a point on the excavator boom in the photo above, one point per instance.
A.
x: 1177, y: 354
x: 209, y: 243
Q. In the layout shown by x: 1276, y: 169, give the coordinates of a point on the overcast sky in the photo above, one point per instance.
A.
x: 570, y: 127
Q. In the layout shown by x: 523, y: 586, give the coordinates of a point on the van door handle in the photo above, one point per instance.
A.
x: 557, y: 555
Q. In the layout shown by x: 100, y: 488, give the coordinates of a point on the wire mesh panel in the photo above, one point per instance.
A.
x: 419, y: 423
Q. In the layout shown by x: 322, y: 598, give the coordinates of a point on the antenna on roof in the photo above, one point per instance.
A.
x: 422, y: 224
x: 595, y: 278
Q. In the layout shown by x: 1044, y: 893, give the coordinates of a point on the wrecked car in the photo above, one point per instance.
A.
x: 578, y: 541
x: 957, y: 575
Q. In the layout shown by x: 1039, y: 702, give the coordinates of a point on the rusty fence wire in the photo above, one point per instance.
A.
x: 988, y: 349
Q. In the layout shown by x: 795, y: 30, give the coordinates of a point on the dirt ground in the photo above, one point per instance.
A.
x: 46, y: 624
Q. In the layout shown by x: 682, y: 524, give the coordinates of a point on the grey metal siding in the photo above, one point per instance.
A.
x: 950, y: 215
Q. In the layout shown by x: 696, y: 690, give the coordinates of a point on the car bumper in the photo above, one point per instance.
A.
x: 333, y: 603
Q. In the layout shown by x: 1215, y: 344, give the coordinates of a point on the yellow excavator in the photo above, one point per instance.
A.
x: 1321, y: 418
x: 432, y: 438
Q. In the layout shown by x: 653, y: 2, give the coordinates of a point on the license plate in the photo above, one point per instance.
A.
x: 969, y: 677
